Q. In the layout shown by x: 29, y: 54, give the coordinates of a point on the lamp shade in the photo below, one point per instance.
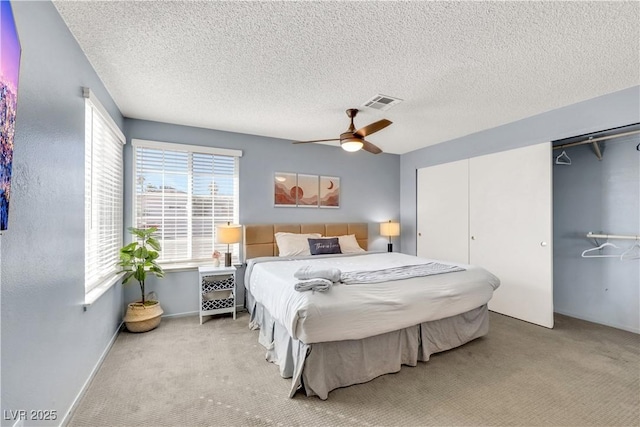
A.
x: 229, y: 234
x: 389, y: 229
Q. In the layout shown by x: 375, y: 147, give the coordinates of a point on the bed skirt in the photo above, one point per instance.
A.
x: 319, y: 368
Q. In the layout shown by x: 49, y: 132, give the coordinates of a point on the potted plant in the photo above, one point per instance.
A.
x: 137, y: 259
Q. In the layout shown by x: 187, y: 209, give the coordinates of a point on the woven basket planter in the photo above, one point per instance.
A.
x: 142, y: 318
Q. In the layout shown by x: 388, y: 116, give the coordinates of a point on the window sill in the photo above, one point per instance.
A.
x: 94, y: 294
x: 187, y: 266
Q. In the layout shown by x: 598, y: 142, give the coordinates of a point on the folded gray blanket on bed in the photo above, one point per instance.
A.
x: 397, y: 273
x: 314, y: 278
x: 318, y: 284
x: 308, y: 272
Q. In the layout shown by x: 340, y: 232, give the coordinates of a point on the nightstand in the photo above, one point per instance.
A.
x: 217, y: 290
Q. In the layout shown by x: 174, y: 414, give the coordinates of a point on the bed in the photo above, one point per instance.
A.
x: 353, y: 333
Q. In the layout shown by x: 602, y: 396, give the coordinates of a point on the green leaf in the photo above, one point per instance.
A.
x: 141, y: 252
x: 149, y: 231
x: 138, y: 232
x: 154, y: 243
x: 129, y: 248
x: 127, y: 277
x: 140, y: 274
x: 157, y: 271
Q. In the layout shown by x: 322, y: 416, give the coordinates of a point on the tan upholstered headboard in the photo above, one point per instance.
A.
x: 259, y: 239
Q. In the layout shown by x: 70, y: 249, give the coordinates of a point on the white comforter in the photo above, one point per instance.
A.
x: 357, y: 311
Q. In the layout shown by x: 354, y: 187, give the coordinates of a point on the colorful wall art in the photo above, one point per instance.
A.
x: 9, y: 70
x: 285, y: 189
x: 329, y: 192
x: 306, y: 191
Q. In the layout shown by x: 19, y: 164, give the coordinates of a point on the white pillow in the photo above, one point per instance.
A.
x: 292, y: 244
x: 349, y: 244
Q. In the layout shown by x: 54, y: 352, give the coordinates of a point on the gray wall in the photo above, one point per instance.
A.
x: 369, y: 191
x: 610, y: 294
x: 609, y: 111
x: 602, y: 197
x: 49, y: 345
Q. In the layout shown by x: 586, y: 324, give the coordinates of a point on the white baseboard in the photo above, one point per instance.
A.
x: 85, y: 386
x: 188, y: 313
x: 598, y: 321
x: 239, y: 309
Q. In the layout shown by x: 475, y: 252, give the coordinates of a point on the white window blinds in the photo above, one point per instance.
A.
x: 103, y: 193
x: 185, y: 191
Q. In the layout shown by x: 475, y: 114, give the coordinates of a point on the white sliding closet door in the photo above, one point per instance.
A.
x: 443, y: 212
x: 510, y: 201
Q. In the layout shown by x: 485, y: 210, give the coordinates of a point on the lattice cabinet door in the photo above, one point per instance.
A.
x: 217, y: 290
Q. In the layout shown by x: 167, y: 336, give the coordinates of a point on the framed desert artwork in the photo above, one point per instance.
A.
x: 329, y: 192
x: 307, y: 191
x: 285, y: 189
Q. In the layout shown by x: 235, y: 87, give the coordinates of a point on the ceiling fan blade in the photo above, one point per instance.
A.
x: 367, y: 146
x: 316, y: 140
x: 373, y: 127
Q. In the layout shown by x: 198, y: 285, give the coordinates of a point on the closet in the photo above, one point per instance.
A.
x: 494, y: 211
x: 596, y: 227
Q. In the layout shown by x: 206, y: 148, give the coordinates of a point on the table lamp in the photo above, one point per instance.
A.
x: 228, y: 234
x: 389, y: 229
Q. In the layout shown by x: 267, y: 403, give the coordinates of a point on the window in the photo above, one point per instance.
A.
x: 103, y: 193
x: 185, y: 191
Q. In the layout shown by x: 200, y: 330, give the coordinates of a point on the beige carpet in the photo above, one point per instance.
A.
x: 185, y: 374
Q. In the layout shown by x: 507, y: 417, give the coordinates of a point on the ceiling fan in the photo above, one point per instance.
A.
x: 352, y: 139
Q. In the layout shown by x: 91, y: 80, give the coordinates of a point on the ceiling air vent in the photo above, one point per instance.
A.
x: 382, y: 102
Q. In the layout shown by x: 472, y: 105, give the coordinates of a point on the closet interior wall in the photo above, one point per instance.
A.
x: 599, y: 196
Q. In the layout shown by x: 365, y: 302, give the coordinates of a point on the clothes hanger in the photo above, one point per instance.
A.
x: 563, y: 159
x: 602, y: 246
x: 628, y: 254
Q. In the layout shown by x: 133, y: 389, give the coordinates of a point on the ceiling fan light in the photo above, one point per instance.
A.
x: 351, y: 144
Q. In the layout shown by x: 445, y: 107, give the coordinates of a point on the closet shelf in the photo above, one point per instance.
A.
x: 594, y: 142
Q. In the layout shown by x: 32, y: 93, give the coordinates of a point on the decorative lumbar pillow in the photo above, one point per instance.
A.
x: 324, y: 246
x: 349, y: 244
x: 292, y: 244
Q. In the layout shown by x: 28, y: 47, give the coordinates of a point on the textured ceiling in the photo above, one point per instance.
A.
x: 290, y: 69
